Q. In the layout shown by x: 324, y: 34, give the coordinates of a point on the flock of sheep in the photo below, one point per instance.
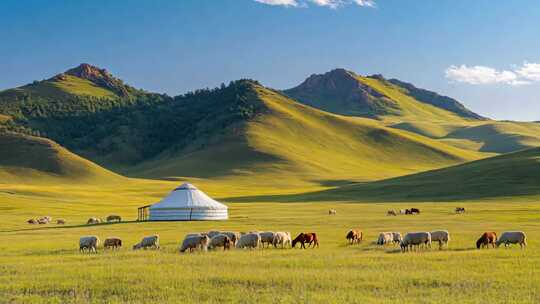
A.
x: 228, y: 239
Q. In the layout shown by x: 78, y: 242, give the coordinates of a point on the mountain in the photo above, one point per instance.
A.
x: 344, y: 92
x: 32, y: 159
x: 83, y: 80
x: 509, y: 175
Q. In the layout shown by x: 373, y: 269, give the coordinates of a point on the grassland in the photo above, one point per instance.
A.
x: 41, y: 264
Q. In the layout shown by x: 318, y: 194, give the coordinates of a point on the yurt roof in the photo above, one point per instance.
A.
x: 187, y: 196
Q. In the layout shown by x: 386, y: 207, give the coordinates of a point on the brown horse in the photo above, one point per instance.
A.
x: 486, y: 239
x: 303, y: 238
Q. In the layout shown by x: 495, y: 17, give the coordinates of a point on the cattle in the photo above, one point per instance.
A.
x: 93, y: 221
x: 32, y: 221
x: 332, y: 212
x: 512, y: 237
x: 440, y: 236
x: 194, y: 242
x: 354, y: 236
x: 89, y: 243
x: 391, y: 212
x: 112, y: 242
x: 282, y: 238
x: 221, y: 240
x: 486, y: 239
x: 114, y: 218
x: 460, y: 210
x: 385, y: 238
x: 415, y: 239
x: 310, y: 238
x: 60, y: 222
x: 267, y: 237
x: 249, y: 240
x: 148, y: 242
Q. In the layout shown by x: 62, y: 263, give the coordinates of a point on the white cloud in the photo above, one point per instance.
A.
x: 325, y: 3
x: 479, y: 75
x: 279, y: 2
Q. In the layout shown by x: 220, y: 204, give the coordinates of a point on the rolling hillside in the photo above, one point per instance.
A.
x: 28, y: 159
x: 288, y: 140
x: 511, y: 175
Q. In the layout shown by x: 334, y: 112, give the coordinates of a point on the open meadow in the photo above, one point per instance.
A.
x: 42, y: 263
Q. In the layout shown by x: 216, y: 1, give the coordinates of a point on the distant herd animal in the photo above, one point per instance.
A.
x: 410, y: 211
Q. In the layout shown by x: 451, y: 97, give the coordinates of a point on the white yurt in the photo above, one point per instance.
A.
x: 187, y: 203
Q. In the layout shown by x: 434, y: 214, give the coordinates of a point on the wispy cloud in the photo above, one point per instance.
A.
x: 481, y: 75
x: 324, y: 3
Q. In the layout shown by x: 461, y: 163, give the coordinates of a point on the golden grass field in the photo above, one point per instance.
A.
x: 42, y: 264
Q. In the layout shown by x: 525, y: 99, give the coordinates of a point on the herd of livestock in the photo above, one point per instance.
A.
x: 255, y: 239
x: 228, y: 239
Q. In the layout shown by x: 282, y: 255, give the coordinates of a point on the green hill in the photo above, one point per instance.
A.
x: 28, y: 159
x: 286, y: 140
x: 344, y: 92
x: 510, y: 175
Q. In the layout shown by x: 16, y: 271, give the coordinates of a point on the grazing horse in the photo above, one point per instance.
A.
x: 486, y: 239
x: 460, y: 210
x: 415, y: 210
x: 308, y: 237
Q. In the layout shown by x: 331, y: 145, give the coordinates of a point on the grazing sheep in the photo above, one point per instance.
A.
x: 148, y: 242
x: 354, y: 236
x: 332, y: 212
x: 402, y: 211
x: 391, y: 212
x: 267, y: 237
x: 282, y: 238
x: 249, y: 240
x: 112, y: 218
x: 89, y: 243
x: 512, y: 237
x: 234, y: 236
x: 32, y: 221
x: 221, y: 240
x: 112, y: 242
x: 441, y: 236
x: 385, y: 238
x: 486, y: 239
x: 60, y: 221
x: 412, y: 239
x: 93, y: 220
x: 195, y: 242
x: 42, y: 221
x: 460, y: 210
x: 396, y: 237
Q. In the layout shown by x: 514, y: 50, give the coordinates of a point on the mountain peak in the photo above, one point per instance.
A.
x: 100, y: 77
x: 88, y: 71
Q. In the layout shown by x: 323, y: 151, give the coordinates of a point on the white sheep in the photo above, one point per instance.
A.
x: 249, y: 240
x: 194, y: 242
x: 148, y: 242
x: 415, y: 239
x: 440, y: 236
x: 89, y: 243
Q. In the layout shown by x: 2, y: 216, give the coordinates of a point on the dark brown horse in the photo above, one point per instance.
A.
x: 486, y: 239
x: 308, y: 237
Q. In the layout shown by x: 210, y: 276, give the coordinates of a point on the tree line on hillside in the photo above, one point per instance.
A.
x: 145, y: 125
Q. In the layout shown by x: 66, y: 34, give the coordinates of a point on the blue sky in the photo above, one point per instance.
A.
x: 482, y: 52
